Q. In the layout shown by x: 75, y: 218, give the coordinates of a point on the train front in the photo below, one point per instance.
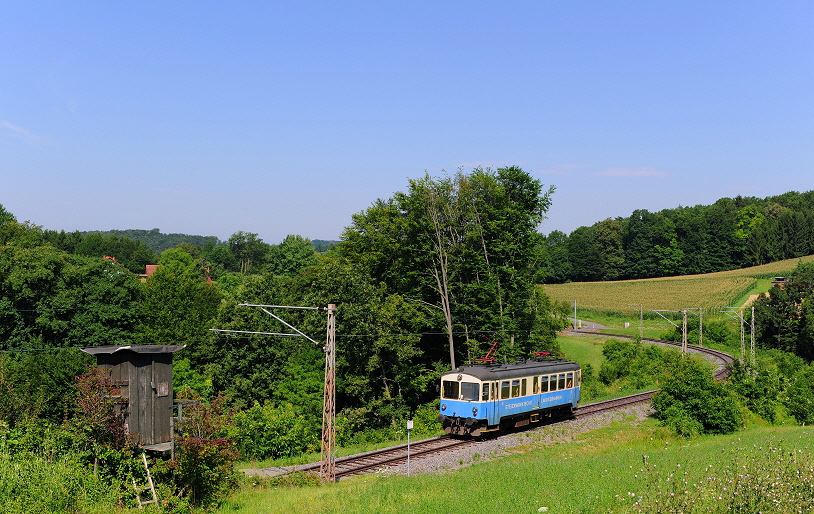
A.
x: 463, y: 408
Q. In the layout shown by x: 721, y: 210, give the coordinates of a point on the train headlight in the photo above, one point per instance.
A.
x: 443, y: 406
x: 474, y: 411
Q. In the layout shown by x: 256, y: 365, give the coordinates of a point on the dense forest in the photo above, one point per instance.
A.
x: 731, y: 233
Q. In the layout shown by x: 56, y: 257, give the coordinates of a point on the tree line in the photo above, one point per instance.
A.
x: 729, y: 234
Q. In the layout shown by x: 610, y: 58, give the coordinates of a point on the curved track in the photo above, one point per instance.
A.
x: 370, y: 461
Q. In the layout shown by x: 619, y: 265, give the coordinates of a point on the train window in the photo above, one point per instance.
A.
x: 504, y: 390
x: 450, y: 390
x: 543, y: 384
x: 515, y: 388
x: 569, y: 380
x: 552, y: 383
x: 523, y: 387
x: 535, y: 385
x: 578, y: 377
x: 469, y: 391
x: 485, y: 396
x: 561, y: 381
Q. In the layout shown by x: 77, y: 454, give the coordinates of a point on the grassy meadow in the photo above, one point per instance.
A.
x: 711, y: 292
x: 629, y: 466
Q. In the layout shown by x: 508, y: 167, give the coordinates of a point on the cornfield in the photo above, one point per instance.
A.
x: 711, y: 291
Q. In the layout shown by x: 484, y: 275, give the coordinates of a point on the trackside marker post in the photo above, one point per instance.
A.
x: 409, y: 428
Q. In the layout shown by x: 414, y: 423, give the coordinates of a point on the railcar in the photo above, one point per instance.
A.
x: 480, y: 398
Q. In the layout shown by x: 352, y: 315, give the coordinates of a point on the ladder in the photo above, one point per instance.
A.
x: 139, y: 490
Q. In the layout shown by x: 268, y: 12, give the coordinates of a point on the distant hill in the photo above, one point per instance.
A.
x: 322, y: 245
x: 158, y: 242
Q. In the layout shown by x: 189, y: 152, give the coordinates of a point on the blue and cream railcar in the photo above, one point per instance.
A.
x: 481, y: 398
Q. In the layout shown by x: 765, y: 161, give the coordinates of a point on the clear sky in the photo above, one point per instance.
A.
x: 288, y: 117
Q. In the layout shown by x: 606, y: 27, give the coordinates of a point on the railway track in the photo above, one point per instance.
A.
x: 378, y: 459
x: 722, y: 359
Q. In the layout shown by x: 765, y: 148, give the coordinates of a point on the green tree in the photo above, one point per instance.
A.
x: 5, y: 216
x: 461, y: 245
x: 290, y: 256
x: 179, y: 305
x: 249, y: 250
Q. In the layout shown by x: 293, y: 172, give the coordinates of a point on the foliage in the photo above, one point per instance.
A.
x: 157, y: 241
x: 249, y: 250
x: 461, y: 245
x: 133, y: 255
x: 189, y: 380
x: 800, y: 396
x: 52, y: 299
x: 729, y: 234
x: 39, y: 384
x: 101, y: 414
x: 268, y: 432
x: 31, y: 483
x: 759, y: 389
x: 204, y: 465
x: 784, y: 318
x: 290, y: 256
x: 179, y: 305
x: 636, y: 365
x: 691, y: 402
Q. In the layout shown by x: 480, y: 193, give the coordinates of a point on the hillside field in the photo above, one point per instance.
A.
x: 711, y: 292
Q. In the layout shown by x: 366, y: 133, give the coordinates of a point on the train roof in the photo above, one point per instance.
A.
x: 488, y: 372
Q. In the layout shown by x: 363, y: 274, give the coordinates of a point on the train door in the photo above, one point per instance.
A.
x: 494, y: 410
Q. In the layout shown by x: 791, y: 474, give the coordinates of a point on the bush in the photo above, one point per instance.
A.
x: 635, y: 365
x: 800, y: 396
x: 267, y: 432
x: 690, y: 393
x: 204, y: 463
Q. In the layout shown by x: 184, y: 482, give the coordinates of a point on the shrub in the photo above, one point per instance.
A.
x: 204, y: 464
x: 800, y: 396
x: 268, y: 432
x: 690, y: 393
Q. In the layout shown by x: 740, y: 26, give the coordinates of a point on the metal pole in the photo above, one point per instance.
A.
x: 328, y: 465
x: 743, y: 341
x: 753, y: 337
x: 684, y: 332
x: 409, y: 429
x: 575, y: 314
x: 641, y: 320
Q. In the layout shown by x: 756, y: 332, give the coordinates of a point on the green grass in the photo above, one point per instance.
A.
x: 599, y: 471
x: 583, y: 349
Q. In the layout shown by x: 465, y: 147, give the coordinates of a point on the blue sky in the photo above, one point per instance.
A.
x: 277, y: 118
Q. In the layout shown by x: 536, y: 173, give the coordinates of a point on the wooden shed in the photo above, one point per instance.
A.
x: 142, y: 376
